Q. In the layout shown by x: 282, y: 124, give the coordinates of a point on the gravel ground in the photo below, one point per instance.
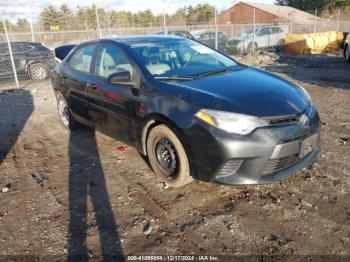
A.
x: 67, y: 194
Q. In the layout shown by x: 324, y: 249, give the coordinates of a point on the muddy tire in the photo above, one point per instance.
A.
x: 38, y: 71
x: 347, y: 53
x: 168, y: 157
x: 64, y: 114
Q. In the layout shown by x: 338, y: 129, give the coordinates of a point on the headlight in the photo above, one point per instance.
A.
x: 231, y: 122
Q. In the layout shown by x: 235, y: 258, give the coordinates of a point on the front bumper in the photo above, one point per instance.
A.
x: 275, y: 168
x: 267, y: 155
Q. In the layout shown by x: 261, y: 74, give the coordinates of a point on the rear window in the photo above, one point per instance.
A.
x: 21, y: 47
x: 82, y: 58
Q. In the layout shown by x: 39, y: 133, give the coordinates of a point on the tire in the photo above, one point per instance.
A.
x: 168, y: 157
x: 347, y: 54
x: 38, y: 71
x: 64, y: 114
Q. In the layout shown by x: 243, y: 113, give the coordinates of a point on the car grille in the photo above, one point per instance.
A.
x: 280, y: 164
x: 284, y: 120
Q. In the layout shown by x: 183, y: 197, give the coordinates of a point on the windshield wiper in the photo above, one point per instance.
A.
x: 174, y: 78
x: 215, y: 72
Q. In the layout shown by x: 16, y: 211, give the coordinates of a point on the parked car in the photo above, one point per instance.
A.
x: 347, y: 48
x: 194, y: 112
x: 265, y: 37
x: 182, y: 33
x: 32, y: 59
x: 208, y: 38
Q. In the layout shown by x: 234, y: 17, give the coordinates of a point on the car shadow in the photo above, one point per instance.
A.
x: 16, y: 106
x: 321, y: 70
x: 87, y: 180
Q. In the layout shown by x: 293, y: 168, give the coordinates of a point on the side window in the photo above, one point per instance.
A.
x: 21, y: 47
x: 4, y: 48
x: 263, y: 32
x: 82, y: 58
x: 16, y: 47
x: 278, y: 30
x: 110, y: 60
x: 221, y: 36
x: 271, y: 31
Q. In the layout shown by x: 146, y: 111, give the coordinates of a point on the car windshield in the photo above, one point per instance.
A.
x: 180, y: 58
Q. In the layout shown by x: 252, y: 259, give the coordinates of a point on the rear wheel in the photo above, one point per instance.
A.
x: 66, y: 118
x: 38, y: 71
x: 168, y: 157
x: 347, y: 53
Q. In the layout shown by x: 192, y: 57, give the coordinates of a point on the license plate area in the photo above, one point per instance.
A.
x: 308, y: 145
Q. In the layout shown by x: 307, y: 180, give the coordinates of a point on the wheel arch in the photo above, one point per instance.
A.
x: 156, y: 119
x: 31, y: 62
x: 153, y: 120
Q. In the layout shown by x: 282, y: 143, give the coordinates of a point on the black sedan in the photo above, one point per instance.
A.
x: 30, y: 59
x: 208, y: 38
x: 195, y: 113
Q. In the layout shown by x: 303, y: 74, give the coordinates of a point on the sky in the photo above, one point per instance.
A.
x: 13, y: 9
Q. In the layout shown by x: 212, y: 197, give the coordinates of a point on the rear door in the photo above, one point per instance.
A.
x: 76, y: 75
x: 5, y: 62
x: 112, y: 107
x: 20, y: 52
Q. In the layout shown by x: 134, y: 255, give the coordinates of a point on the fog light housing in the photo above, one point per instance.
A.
x: 230, y: 168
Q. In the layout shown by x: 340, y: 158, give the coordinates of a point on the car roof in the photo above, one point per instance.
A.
x: 138, y: 39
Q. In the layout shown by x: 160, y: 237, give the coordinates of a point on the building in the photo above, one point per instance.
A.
x: 243, y: 13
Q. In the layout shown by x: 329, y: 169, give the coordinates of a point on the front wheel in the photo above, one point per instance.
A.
x: 38, y: 71
x: 168, y: 157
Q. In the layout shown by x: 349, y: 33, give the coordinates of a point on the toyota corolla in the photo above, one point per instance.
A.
x: 192, y: 111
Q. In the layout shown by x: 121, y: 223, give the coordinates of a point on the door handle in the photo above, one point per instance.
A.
x: 92, y: 86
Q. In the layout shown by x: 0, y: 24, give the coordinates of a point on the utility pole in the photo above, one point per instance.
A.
x: 216, y: 29
x: 10, y: 52
x: 338, y: 20
x: 164, y: 22
x: 315, y: 29
x: 254, y: 23
x: 31, y: 25
x: 98, y: 22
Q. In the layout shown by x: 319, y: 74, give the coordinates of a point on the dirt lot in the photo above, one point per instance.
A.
x: 77, y: 194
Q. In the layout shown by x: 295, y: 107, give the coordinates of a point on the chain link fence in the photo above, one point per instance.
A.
x: 27, y: 58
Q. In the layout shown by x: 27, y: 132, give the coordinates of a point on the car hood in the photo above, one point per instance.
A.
x: 248, y: 91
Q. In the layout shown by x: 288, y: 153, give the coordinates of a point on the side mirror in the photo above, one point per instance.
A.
x: 123, y: 78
